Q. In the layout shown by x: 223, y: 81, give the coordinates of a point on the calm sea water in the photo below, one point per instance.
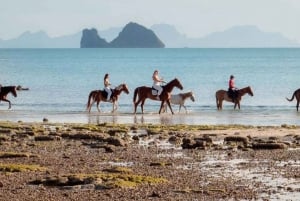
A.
x: 61, y: 79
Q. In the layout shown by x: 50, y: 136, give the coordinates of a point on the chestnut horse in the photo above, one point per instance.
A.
x: 97, y: 96
x: 144, y: 92
x: 5, y: 91
x: 222, y: 95
x: 296, y: 95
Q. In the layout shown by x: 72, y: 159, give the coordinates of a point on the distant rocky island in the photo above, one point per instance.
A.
x: 132, y: 35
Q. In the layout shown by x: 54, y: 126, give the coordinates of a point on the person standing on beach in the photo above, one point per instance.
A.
x: 232, y: 89
x: 107, y: 85
x: 157, y: 81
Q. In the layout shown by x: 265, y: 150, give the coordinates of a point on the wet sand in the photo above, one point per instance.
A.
x: 106, y: 161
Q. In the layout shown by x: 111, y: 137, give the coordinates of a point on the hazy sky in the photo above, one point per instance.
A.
x: 194, y: 18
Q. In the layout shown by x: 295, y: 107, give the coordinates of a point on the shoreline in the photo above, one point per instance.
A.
x: 210, y: 118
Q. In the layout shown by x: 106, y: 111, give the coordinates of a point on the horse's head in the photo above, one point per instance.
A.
x: 14, y: 91
x: 125, y: 88
x: 177, y: 84
x: 250, y: 92
x: 192, y: 97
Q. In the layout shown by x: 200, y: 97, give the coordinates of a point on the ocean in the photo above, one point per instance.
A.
x: 59, y: 82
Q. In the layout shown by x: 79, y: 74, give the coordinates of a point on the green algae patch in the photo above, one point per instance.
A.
x: 15, y: 155
x: 119, y: 170
x: 20, y: 168
x: 161, y: 164
x: 9, y: 125
x: 100, y: 180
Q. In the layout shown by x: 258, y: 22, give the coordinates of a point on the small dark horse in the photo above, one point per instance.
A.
x: 223, y: 95
x: 144, y: 92
x: 5, y: 91
x: 97, y: 96
x: 296, y: 95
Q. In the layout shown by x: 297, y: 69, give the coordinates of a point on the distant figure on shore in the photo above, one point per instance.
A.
x: 107, y: 85
x: 157, y: 81
x: 232, y: 90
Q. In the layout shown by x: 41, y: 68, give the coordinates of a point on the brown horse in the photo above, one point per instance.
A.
x: 222, y: 95
x: 144, y: 92
x: 97, y: 96
x: 297, y: 96
x: 5, y: 91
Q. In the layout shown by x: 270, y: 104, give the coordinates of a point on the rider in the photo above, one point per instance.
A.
x: 107, y: 85
x: 232, y: 89
x: 157, y: 81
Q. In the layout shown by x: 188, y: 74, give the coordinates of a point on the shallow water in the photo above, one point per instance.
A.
x: 61, y: 79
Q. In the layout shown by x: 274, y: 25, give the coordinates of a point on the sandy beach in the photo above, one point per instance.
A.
x: 47, y: 161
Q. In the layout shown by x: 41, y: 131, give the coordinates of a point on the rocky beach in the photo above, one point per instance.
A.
x: 57, y: 161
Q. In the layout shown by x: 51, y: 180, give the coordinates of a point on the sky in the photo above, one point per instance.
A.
x: 195, y: 18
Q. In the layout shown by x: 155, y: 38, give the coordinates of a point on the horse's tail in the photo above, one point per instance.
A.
x: 89, y: 100
x: 135, y: 94
x: 294, y: 94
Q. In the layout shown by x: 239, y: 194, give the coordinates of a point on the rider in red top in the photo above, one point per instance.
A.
x: 232, y: 89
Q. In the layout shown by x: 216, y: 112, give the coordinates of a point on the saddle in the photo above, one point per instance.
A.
x: 104, y: 93
x: 233, y: 94
x: 154, y: 91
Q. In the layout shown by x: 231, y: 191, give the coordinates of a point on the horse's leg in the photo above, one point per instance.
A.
x: 136, y: 104
x: 142, y: 106
x: 98, y: 103
x: 161, y: 106
x: 185, y: 108
x: 220, y: 104
x: 90, y: 107
x: 9, y: 104
x: 169, y: 104
x: 179, y: 108
x: 235, y: 104
x: 297, y: 106
x: 113, y: 107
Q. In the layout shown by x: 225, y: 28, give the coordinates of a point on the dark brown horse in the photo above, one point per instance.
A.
x: 297, y: 96
x: 5, y: 91
x: 144, y: 92
x: 222, y: 95
x: 97, y: 96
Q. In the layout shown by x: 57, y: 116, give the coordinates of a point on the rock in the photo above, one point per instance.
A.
x: 47, y: 138
x: 268, y: 146
x: 188, y: 143
x: 133, y: 35
x: 91, y: 39
x: 116, y: 141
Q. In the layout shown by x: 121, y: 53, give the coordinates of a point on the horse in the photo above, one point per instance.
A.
x: 222, y: 95
x: 6, y: 90
x: 144, y: 92
x: 179, y: 99
x: 296, y: 95
x: 99, y: 95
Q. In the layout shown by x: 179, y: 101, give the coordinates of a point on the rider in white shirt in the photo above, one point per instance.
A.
x: 157, y: 81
